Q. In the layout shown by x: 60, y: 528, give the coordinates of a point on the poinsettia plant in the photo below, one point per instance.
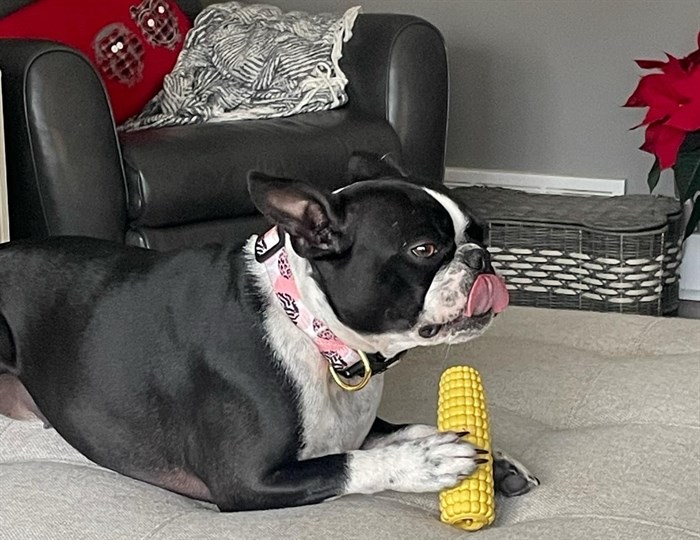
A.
x: 672, y: 94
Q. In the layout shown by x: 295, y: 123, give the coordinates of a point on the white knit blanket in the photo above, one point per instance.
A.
x: 241, y: 62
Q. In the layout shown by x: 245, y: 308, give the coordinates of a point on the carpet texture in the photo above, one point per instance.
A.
x: 603, y: 408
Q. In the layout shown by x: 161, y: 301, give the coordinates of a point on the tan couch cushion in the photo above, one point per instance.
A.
x: 604, y: 409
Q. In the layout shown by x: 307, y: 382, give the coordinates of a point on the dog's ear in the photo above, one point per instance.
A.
x: 368, y: 166
x: 307, y: 214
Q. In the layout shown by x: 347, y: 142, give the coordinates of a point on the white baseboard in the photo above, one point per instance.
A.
x: 690, y: 269
x: 534, y: 183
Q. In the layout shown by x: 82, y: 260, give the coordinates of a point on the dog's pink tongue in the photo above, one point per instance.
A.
x: 488, y: 293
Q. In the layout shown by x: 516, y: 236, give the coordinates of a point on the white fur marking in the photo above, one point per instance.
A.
x: 409, y: 433
x: 428, y: 464
x: 333, y: 420
x: 459, y: 220
x: 447, y: 296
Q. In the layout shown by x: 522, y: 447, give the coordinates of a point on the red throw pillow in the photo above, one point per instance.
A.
x: 133, y: 44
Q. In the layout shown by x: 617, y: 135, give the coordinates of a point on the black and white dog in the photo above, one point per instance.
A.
x: 187, y: 370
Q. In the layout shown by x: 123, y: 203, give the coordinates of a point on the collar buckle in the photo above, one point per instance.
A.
x: 262, y: 252
x: 344, y: 363
x: 378, y: 364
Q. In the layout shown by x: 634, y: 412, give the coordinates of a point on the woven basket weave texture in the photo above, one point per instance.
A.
x: 591, y: 253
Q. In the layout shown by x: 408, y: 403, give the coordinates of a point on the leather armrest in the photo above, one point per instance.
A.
x: 397, y: 69
x: 64, y: 167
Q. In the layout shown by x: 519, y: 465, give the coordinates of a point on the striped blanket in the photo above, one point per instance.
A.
x: 241, y: 62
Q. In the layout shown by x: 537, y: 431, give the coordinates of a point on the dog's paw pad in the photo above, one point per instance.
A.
x: 511, y: 478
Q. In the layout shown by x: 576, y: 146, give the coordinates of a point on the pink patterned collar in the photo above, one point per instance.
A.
x: 270, y: 251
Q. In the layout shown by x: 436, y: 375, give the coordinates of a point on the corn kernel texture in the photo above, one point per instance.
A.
x: 462, y: 407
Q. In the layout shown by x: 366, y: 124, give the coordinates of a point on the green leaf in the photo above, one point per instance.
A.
x: 654, y: 175
x: 694, y: 219
x: 687, y: 174
x: 691, y: 142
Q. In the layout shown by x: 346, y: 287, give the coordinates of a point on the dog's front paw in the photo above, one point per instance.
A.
x: 426, y: 464
x: 416, y: 431
x: 408, y: 433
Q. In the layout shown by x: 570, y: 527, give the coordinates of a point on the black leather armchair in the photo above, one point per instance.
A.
x: 71, y: 173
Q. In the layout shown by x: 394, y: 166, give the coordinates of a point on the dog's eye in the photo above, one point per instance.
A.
x: 424, y: 251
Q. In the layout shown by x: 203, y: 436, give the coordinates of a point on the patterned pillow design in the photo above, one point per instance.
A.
x: 133, y: 44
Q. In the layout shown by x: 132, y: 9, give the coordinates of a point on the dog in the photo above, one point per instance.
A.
x: 250, y: 376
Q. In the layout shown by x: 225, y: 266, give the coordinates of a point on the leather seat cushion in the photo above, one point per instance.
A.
x: 197, y: 173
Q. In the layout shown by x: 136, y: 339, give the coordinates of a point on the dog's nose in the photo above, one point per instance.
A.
x: 478, y: 259
x: 429, y: 330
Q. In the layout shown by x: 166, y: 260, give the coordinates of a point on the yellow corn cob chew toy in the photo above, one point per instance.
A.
x: 462, y: 407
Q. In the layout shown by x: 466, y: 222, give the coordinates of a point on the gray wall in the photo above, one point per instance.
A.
x: 537, y: 85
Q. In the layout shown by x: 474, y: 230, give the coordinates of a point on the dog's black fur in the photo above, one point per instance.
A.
x: 127, y: 354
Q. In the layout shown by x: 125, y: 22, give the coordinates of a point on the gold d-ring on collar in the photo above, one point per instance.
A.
x: 363, y: 382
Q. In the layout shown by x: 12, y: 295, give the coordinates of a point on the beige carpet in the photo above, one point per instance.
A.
x: 604, y: 409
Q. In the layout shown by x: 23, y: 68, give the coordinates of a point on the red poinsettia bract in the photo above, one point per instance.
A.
x: 673, y: 97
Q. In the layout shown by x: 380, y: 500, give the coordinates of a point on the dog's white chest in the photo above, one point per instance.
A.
x: 334, y: 420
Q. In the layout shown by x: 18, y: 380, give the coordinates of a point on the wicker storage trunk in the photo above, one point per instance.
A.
x: 592, y: 253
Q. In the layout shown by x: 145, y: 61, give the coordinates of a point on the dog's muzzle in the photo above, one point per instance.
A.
x: 487, y: 292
